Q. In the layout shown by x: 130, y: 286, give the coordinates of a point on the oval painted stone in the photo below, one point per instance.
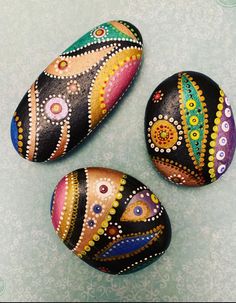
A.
x: 76, y: 91
x: 190, y: 129
x: 110, y: 220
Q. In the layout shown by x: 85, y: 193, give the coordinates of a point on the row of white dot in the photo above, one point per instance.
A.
x: 106, y: 40
x: 141, y: 261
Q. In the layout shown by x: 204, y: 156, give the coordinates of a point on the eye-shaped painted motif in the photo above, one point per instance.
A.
x: 104, y: 188
x: 128, y: 246
x: 141, y: 207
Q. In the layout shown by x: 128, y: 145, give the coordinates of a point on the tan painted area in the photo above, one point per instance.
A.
x: 33, y: 127
x: 108, y: 70
x: 94, y: 174
x: 77, y: 65
x: 61, y: 148
x: 124, y: 29
x: 168, y: 170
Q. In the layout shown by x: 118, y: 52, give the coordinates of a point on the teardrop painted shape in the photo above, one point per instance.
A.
x: 110, y: 220
x: 76, y: 91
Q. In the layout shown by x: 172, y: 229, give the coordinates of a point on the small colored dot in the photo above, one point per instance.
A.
x: 62, y: 64
x: 195, y: 135
x: 91, y: 223
x: 194, y: 120
x: 103, y: 189
x: 163, y: 134
x: 56, y: 108
x: 138, y: 211
x: 210, y: 164
x: 97, y: 209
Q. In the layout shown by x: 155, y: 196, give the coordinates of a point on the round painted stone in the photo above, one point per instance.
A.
x: 76, y: 91
x: 110, y: 220
x: 190, y: 129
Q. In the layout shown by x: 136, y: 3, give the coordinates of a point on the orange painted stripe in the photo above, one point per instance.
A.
x: 33, y: 121
x: 60, y: 150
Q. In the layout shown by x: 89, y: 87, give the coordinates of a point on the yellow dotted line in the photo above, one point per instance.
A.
x: 105, y: 223
x: 20, y: 133
x: 214, y: 135
x: 115, y: 68
x: 130, y: 28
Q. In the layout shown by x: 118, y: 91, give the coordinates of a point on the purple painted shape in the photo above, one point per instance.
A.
x: 226, y: 140
x: 145, y: 196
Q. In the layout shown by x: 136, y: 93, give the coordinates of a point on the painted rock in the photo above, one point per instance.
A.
x: 190, y: 129
x: 110, y: 220
x: 76, y: 91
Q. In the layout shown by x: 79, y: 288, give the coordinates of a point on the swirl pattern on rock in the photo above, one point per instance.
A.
x: 190, y: 129
x: 110, y: 220
x: 76, y: 91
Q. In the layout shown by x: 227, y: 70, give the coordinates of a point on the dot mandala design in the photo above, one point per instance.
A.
x: 91, y: 223
x: 62, y: 65
x: 164, y: 134
x: 56, y: 109
x: 73, y: 87
x: 97, y: 208
x: 158, y: 96
x: 99, y: 32
x: 113, y: 231
x: 104, y: 188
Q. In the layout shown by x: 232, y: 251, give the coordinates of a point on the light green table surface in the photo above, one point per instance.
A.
x: 200, y: 263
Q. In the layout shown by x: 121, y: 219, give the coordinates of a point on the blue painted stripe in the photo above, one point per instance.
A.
x: 14, y: 134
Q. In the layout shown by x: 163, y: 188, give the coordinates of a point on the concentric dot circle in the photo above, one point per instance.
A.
x: 138, y: 210
x: 62, y: 64
x: 91, y: 223
x: 220, y: 155
x: 103, y: 189
x: 194, y: 135
x: 228, y: 112
x: 112, y: 231
x: 225, y: 126
x: 73, y: 87
x: 97, y: 208
x: 223, y: 141
x: 191, y: 104
x: 194, y: 120
x: 99, y: 32
x: 56, y: 109
x: 164, y: 134
x: 221, y: 169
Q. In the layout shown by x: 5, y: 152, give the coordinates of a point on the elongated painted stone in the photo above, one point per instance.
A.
x: 190, y: 129
x: 110, y: 220
x: 76, y: 91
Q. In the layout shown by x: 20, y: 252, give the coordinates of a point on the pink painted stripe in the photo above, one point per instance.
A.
x: 119, y: 82
x: 59, y: 200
